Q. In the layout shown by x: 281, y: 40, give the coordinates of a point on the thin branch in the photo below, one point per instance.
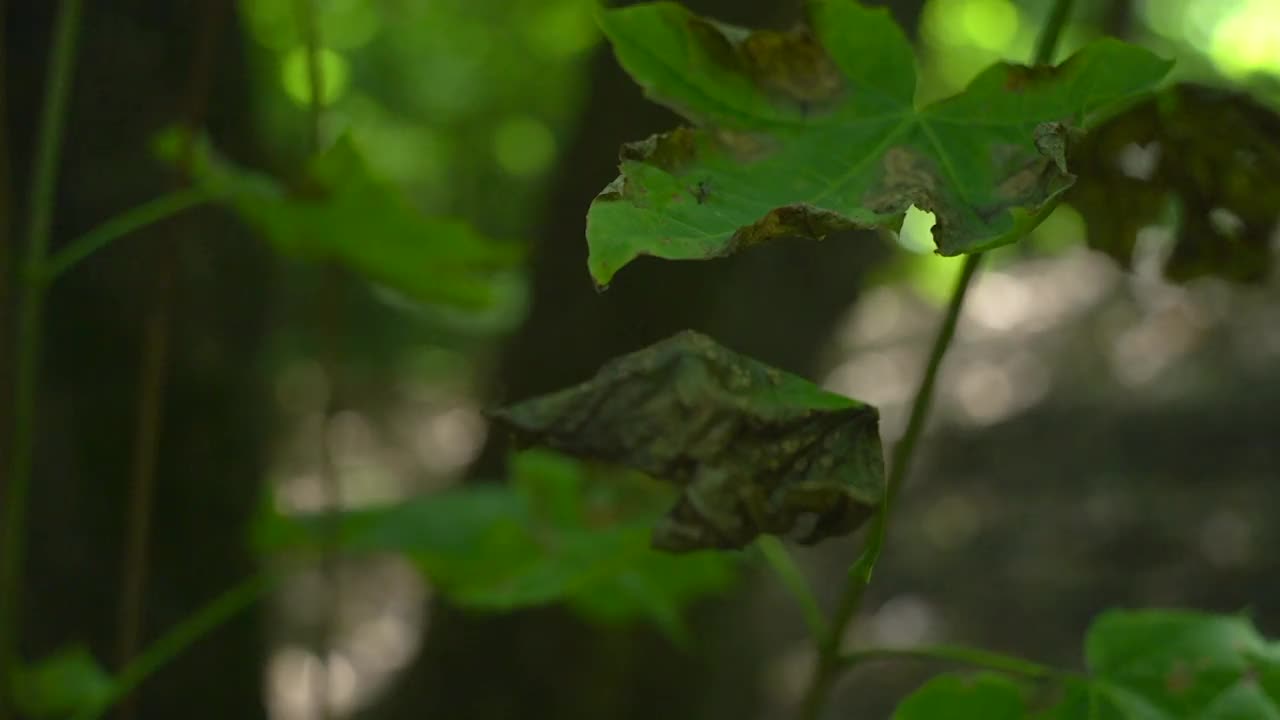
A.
x: 43, y: 186
x: 775, y: 553
x: 860, y: 574
x: 972, y: 657
x: 1047, y: 43
x: 130, y: 221
x: 169, y: 646
x: 830, y: 661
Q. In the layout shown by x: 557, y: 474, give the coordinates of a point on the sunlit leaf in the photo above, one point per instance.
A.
x: 62, y: 684
x: 342, y: 213
x: 1208, y: 157
x: 556, y: 533
x: 986, y: 696
x: 806, y: 132
x: 753, y: 449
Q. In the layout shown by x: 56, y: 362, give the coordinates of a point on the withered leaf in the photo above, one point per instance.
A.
x: 1210, y: 158
x: 815, y: 130
x: 753, y: 449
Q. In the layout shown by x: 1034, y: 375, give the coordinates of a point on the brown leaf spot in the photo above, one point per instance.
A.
x: 798, y: 220
x: 792, y: 65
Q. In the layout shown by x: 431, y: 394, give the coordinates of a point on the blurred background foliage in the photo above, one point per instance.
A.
x: 1104, y: 438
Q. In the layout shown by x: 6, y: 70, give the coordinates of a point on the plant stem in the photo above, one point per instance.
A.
x: 775, y: 553
x: 1047, y: 43
x: 973, y: 657
x: 830, y: 660
x: 132, y: 220
x: 213, y: 615
x: 27, y: 366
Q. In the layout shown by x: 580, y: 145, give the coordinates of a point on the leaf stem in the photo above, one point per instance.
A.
x: 132, y: 220
x: 27, y: 366
x: 830, y: 660
x: 973, y: 657
x: 829, y: 657
x: 160, y: 653
x: 784, y: 566
x: 1047, y: 42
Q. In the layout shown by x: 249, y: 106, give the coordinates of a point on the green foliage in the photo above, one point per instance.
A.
x: 1167, y: 665
x: 816, y: 130
x: 1153, y: 665
x: 63, y: 684
x: 560, y: 532
x: 340, y: 212
x: 753, y: 449
x: 985, y: 696
x: 1212, y: 160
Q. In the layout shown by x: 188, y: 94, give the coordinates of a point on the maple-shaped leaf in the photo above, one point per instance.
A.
x: 753, y: 449
x: 1207, y: 156
x: 809, y: 131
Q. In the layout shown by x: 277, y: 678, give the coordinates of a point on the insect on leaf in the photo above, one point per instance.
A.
x: 752, y: 449
x: 814, y: 130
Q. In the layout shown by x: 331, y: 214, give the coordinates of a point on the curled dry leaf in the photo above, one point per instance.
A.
x: 1209, y: 158
x: 752, y: 449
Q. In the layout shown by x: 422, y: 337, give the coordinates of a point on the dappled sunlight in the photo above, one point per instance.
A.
x: 1226, y: 539
x: 952, y: 520
x: 1240, y: 37
x: 373, y: 621
x: 988, y: 391
x: 447, y: 441
x: 905, y: 620
x: 371, y: 612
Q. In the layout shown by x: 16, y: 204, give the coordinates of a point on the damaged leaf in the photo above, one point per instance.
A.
x: 814, y: 130
x: 752, y: 449
x: 1209, y: 158
x: 341, y: 212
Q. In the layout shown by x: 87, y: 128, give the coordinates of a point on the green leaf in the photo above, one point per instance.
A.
x: 752, y: 449
x: 557, y: 533
x: 342, y: 213
x: 1162, y: 665
x: 985, y: 696
x: 1208, y: 157
x: 62, y: 684
x: 807, y: 132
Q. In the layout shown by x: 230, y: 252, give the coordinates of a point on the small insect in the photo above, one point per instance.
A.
x: 701, y: 191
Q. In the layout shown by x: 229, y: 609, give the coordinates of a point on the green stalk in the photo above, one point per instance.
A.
x: 972, y: 657
x: 27, y: 366
x: 830, y: 659
x: 182, y: 636
x: 775, y: 553
x: 132, y: 220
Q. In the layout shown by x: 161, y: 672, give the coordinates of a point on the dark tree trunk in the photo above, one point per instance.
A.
x: 133, y: 77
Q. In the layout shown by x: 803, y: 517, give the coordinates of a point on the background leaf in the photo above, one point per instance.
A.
x: 754, y: 450
x: 62, y: 684
x: 1206, y: 161
x: 1165, y: 665
x: 811, y: 131
x: 342, y: 213
x: 985, y: 696
x: 559, y: 532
